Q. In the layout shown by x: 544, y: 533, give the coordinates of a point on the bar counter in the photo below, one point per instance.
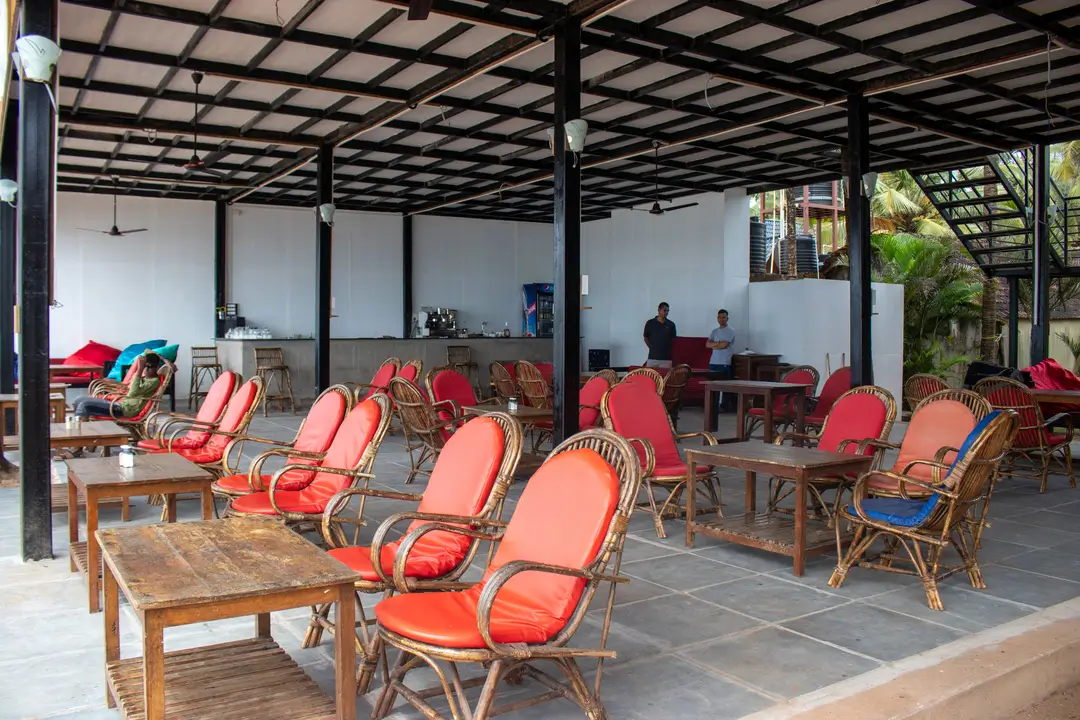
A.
x: 357, y: 359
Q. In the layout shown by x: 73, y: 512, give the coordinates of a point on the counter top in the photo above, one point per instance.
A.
x: 512, y: 337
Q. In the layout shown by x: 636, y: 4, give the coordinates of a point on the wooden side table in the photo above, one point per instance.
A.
x: 196, y: 572
x: 746, y: 389
x: 10, y: 402
x: 99, y: 478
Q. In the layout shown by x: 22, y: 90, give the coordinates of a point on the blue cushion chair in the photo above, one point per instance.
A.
x: 949, y: 513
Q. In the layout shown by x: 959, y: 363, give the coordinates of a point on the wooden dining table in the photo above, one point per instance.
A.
x: 201, y: 571
x: 746, y: 389
x: 1050, y: 395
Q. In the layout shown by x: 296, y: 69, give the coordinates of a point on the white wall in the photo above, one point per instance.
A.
x: 477, y: 267
x: 272, y: 271
x: 805, y: 319
x: 123, y: 290
x: 696, y: 260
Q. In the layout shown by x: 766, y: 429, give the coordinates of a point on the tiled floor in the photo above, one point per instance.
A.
x: 719, y: 631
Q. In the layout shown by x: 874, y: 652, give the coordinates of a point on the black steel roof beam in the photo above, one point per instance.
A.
x: 120, y: 121
x: 1067, y: 36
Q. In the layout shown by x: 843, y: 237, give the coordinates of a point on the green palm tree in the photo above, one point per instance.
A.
x: 899, y: 206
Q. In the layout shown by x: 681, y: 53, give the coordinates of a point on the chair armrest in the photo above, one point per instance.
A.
x: 255, y: 469
x: 1061, y: 419
x: 875, y: 443
x: 936, y: 465
x: 789, y: 435
x: 237, y: 443
x: 860, y: 489
x: 340, y: 499
x: 708, y: 437
x: 433, y: 521
x: 401, y: 583
x: 506, y: 573
x: 322, y: 468
x: 649, y: 465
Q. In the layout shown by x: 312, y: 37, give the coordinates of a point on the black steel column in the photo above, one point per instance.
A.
x: 406, y: 276
x: 1014, y: 321
x: 1040, y: 281
x: 858, y: 217
x: 9, y: 170
x: 567, y: 184
x: 323, y: 251
x: 37, y: 138
x: 221, y: 262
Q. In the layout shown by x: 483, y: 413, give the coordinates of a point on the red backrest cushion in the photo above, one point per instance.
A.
x: 408, y: 372
x: 782, y: 403
x: 213, y: 404
x: 92, y: 353
x: 352, y: 439
x: 452, y: 385
x: 642, y: 380
x: 835, y: 385
x: 319, y: 429
x: 1019, y: 402
x: 382, y: 379
x: 855, y: 417
x: 231, y: 421
x: 546, y: 528
x: 936, y: 425
x: 638, y: 412
x: 547, y: 370
x: 591, y: 394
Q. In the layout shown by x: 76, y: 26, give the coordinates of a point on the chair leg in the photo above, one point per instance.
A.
x: 1045, y: 458
x: 264, y: 376
x: 658, y: 522
x: 487, y: 695
x: 314, y: 633
x: 846, y: 560
x: 288, y: 379
x: 388, y: 696
x: 1067, y: 458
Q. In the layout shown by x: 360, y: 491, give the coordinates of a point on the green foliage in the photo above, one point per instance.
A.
x: 1074, y: 347
x: 940, y: 288
x: 899, y: 206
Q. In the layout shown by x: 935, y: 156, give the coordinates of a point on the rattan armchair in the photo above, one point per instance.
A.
x: 534, y: 387
x: 783, y: 413
x: 426, y: 432
x: 534, y: 595
x: 920, y: 386
x: 674, y: 383
x: 1037, y: 448
x: 447, y: 383
x: 503, y: 382
x: 951, y: 512
x: 158, y: 425
x: 380, y: 381
x: 467, y: 486
x: 136, y: 424
x: 647, y: 376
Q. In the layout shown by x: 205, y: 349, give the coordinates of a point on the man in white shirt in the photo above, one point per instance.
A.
x: 722, y: 343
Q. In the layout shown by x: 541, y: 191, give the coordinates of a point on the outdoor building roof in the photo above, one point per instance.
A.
x: 450, y: 114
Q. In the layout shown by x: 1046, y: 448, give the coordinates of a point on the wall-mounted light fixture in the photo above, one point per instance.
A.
x: 35, y: 59
x: 326, y: 213
x: 8, y: 190
x: 869, y: 183
x: 575, y: 131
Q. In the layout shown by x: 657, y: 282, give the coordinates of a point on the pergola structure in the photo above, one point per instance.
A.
x: 350, y: 102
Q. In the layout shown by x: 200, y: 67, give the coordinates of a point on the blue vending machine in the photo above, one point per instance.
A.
x: 538, y: 319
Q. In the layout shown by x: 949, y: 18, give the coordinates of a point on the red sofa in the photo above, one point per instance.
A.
x: 691, y: 351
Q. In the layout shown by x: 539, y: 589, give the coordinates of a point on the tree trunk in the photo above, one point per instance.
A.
x: 792, y: 245
x: 988, y: 345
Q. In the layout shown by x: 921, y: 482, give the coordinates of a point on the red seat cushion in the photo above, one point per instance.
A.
x: 239, y: 483
x: 451, y: 385
x: 547, y: 370
x: 318, y: 431
x: 936, y: 425
x: 234, y: 420
x: 288, y: 500
x: 408, y: 372
x: 637, y: 411
x: 180, y: 443
x: 672, y: 469
x: 1053, y: 439
x: 533, y: 606
x: 835, y: 385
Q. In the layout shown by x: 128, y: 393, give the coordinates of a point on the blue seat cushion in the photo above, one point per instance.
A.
x: 913, y: 513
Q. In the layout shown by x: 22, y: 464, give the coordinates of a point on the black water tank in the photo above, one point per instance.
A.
x: 757, y: 246
x: 805, y: 252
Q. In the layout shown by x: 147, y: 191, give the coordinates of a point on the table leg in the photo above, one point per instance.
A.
x: 73, y: 519
x: 154, y: 667
x: 710, y: 411
x: 751, y: 478
x: 345, y: 654
x: 112, y: 625
x: 262, y: 625
x: 170, y: 507
x: 768, y: 432
x: 93, y: 559
x: 691, y: 485
x: 800, y: 524
x: 800, y: 412
x: 207, y: 503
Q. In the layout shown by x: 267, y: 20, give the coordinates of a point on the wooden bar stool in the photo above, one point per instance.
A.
x: 459, y: 357
x: 204, y: 366
x: 270, y: 364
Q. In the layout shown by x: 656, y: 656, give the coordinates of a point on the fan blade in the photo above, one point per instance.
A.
x: 679, y: 207
x: 208, y: 171
x: 128, y: 232
x: 103, y: 232
x: 419, y: 9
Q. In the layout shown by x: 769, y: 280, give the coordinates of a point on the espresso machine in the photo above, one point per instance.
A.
x: 437, y: 322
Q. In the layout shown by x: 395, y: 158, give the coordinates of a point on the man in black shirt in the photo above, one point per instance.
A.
x: 659, y: 337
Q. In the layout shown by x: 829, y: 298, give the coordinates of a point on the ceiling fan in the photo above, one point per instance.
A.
x: 419, y: 9
x: 195, y: 164
x: 656, y: 209
x: 115, y: 231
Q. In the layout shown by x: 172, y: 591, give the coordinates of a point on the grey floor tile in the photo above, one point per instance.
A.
x: 858, y: 583
x: 781, y: 662
x: 769, y: 599
x: 742, y: 556
x: 872, y: 631
x: 1064, y: 521
x: 684, y: 572
x: 1027, y: 587
x: 635, y: 549
x: 632, y: 592
x: 1026, y: 534
x: 1055, y: 562
x: 679, y: 620
x: 966, y: 608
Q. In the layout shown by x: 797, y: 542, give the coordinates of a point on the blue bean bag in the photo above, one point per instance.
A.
x: 128, y: 355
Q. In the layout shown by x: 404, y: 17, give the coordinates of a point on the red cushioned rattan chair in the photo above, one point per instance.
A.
x: 445, y: 384
x: 835, y: 385
x: 426, y: 432
x: 107, y: 389
x: 552, y: 557
x: 862, y: 413
x: 535, y: 388
x: 635, y: 411
x: 411, y: 371
x: 502, y: 379
x: 159, y: 426
x: 467, y: 486
x: 920, y: 386
x: 938, y: 426
x: 646, y: 376
x: 589, y: 399
x: 380, y: 382
x: 783, y: 413
x: 950, y: 512
x: 1037, y: 448
x: 308, y: 447
x: 347, y: 462
x: 136, y: 424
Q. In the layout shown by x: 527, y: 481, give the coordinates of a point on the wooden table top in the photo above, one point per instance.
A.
x: 1062, y: 396
x: 14, y: 397
x: 76, y: 368
x: 781, y: 456
x: 524, y: 413
x: 182, y: 564
x: 148, y: 469
x: 736, y: 386
x: 87, y: 433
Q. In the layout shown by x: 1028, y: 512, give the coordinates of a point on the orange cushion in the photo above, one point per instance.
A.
x: 532, y: 607
x: 213, y: 405
x: 239, y: 483
x: 888, y: 485
x: 350, y: 442
x: 422, y: 563
x: 204, y: 455
x: 180, y: 443
x: 936, y: 425
x: 638, y: 412
x: 288, y: 500
x: 234, y: 420
x: 855, y: 417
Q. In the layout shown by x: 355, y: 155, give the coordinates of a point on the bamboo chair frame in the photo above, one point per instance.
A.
x: 360, y: 390
x: 958, y: 518
x: 368, y: 642
x: 503, y: 384
x: 204, y: 365
x: 674, y: 384
x: 423, y: 426
x: 978, y: 406
x: 107, y: 388
x: 921, y: 386
x: 611, y: 375
x: 283, y: 449
x: 362, y: 470
x: 648, y: 372
x: 513, y: 662
x: 136, y: 425
x: 419, y: 365
x: 157, y: 423
x: 429, y: 385
x: 1028, y: 460
x: 784, y: 419
x: 533, y: 385
x: 270, y: 364
x: 708, y: 482
x: 607, y: 376
x: 780, y: 489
